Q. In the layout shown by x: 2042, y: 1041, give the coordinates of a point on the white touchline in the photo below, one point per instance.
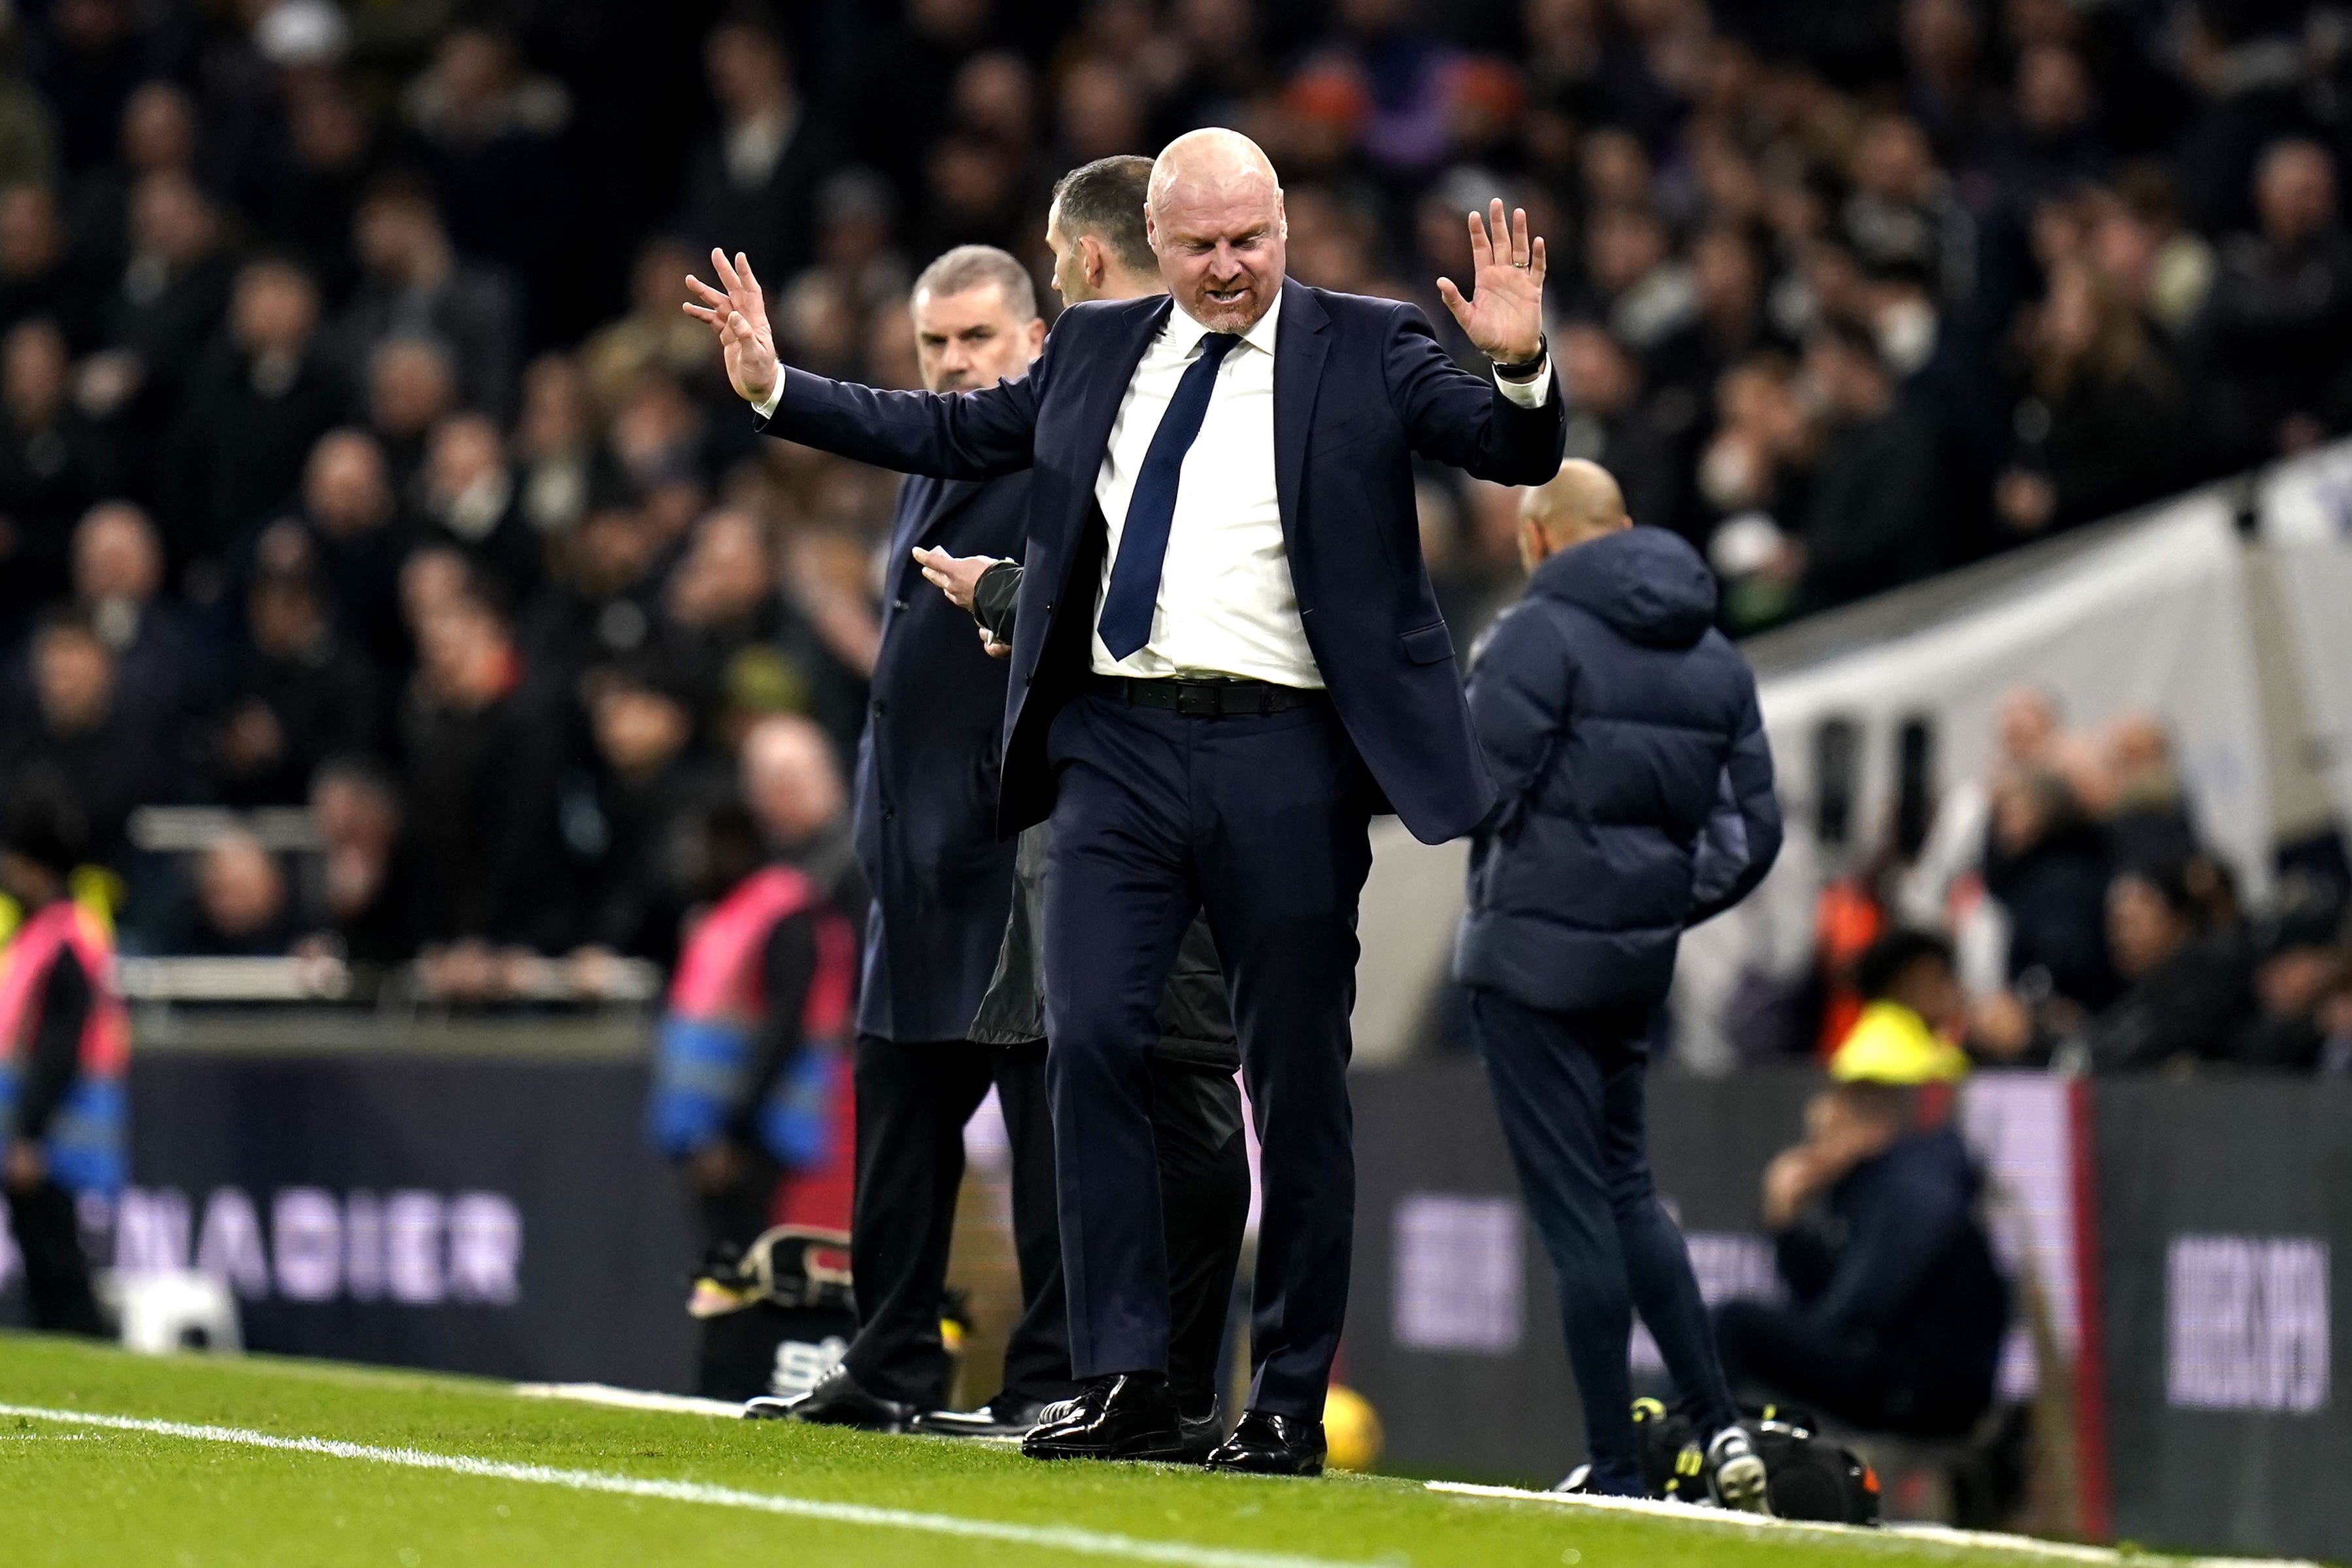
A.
x: 1060, y: 1538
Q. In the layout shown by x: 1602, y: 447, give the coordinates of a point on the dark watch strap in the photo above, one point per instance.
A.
x: 1527, y: 367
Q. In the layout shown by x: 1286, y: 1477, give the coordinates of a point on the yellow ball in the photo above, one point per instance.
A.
x: 1353, y: 1429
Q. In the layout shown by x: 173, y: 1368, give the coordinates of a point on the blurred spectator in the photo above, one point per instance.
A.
x: 484, y: 760
x: 2304, y: 961
x: 359, y: 902
x: 488, y: 132
x: 1611, y: 423
x: 35, y: 277
x: 2047, y: 864
x: 242, y: 906
x: 2189, y: 991
x: 466, y: 497
x: 300, y: 698
x: 555, y: 443
x: 654, y: 334
x: 1897, y: 1309
x: 52, y: 467
x: 751, y: 183
x: 791, y: 782
x: 414, y: 286
x: 350, y: 530
x: 411, y: 386
x: 163, y: 664
x: 2099, y: 425
x: 1913, y: 1008
x: 1876, y: 516
x: 157, y: 137
x: 2143, y: 803
x: 2271, y: 342
x: 73, y: 725
x: 258, y: 403
x: 651, y: 791
x: 173, y: 292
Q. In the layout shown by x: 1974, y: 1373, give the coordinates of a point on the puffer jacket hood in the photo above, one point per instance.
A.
x: 1635, y: 780
x: 1645, y: 584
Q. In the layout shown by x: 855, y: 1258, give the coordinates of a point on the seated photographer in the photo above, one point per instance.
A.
x: 1896, y: 1311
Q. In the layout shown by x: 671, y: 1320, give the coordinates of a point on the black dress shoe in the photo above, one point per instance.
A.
x: 1126, y: 1416
x: 838, y: 1401
x: 1269, y: 1445
x: 1001, y: 1417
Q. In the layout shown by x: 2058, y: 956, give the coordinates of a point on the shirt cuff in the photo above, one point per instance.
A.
x: 766, y: 407
x: 1526, y: 394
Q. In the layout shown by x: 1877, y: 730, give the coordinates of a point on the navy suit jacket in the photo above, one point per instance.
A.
x: 1359, y: 386
x: 927, y: 772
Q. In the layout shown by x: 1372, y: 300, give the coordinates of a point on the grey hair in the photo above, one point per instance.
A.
x: 1105, y: 199
x: 970, y: 265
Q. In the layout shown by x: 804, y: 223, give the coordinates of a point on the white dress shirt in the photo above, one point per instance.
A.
x: 1227, y: 606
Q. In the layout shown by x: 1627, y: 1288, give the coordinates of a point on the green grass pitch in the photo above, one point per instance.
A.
x: 211, y: 1461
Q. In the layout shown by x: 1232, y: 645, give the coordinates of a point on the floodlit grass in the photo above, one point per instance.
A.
x: 75, y: 1495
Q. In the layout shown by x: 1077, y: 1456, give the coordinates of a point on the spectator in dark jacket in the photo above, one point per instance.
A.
x: 1878, y: 511
x: 2279, y: 316
x: 1897, y: 1312
x: 484, y: 760
x: 414, y: 286
x: 2098, y: 425
x: 301, y: 697
x: 1636, y: 800
x: 51, y: 466
x: 2190, y: 992
x: 256, y: 405
x: 2047, y: 865
x: 73, y: 727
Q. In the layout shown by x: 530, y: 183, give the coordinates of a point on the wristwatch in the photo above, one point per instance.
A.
x: 1523, y: 369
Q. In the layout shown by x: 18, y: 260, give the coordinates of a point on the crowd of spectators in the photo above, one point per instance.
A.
x: 354, y: 452
x: 2081, y: 921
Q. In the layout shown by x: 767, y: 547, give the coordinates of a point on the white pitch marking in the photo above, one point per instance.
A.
x: 1056, y: 1537
x: 1939, y: 1535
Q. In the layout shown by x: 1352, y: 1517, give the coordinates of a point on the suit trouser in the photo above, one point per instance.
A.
x: 48, y: 1230
x: 913, y: 1102
x: 1570, y: 1092
x: 1261, y: 821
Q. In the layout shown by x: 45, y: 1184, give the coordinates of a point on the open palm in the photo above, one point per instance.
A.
x: 1503, y: 315
x: 739, y: 316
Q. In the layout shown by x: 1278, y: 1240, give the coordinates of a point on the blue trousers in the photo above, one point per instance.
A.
x: 1569, y: 1089
x: 1260, y: 821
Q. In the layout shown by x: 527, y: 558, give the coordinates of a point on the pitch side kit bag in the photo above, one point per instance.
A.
x: 1810, y: 1477
x: 775, y: 1316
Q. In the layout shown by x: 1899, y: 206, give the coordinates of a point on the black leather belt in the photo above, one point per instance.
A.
x: 1208, y: 699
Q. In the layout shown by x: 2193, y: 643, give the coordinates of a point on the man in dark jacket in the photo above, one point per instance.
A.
x: 1636, y: 800
x: 1898, y: 1311
x: 1095, y: 229
x: 942, y: 884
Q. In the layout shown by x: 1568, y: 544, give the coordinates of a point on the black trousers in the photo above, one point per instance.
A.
x: 1570, y: 1091
x: 1778, y: 1354
x: 1261, y: 823
x: 912, y: 1104
x: 56, y: 1271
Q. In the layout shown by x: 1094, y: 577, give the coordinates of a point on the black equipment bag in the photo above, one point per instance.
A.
x: 775, y: 1316
x: 1810, y: 1477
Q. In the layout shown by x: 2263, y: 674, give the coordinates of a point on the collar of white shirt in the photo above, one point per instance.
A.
x: 1182, y: 334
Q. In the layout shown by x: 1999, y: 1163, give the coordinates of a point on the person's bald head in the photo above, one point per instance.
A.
x: 1581, y: 502
x: 1214, y: 219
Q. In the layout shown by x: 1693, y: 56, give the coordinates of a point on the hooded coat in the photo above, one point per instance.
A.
x: 1637, y: 784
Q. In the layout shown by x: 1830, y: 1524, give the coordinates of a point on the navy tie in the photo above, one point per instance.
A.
x: 1134, y: 590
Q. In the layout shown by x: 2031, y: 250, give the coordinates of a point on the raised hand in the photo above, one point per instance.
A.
x: 739, y: 316
x: 1503, y: 315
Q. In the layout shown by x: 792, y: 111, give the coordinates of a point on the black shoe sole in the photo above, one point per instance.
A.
x: 1305, y: 1471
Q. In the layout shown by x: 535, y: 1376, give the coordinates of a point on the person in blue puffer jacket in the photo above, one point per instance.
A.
x: 1637, y: 801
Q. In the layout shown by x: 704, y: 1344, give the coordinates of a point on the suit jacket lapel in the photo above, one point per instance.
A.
x: 1101, y: 400
x: 1299, y: 346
